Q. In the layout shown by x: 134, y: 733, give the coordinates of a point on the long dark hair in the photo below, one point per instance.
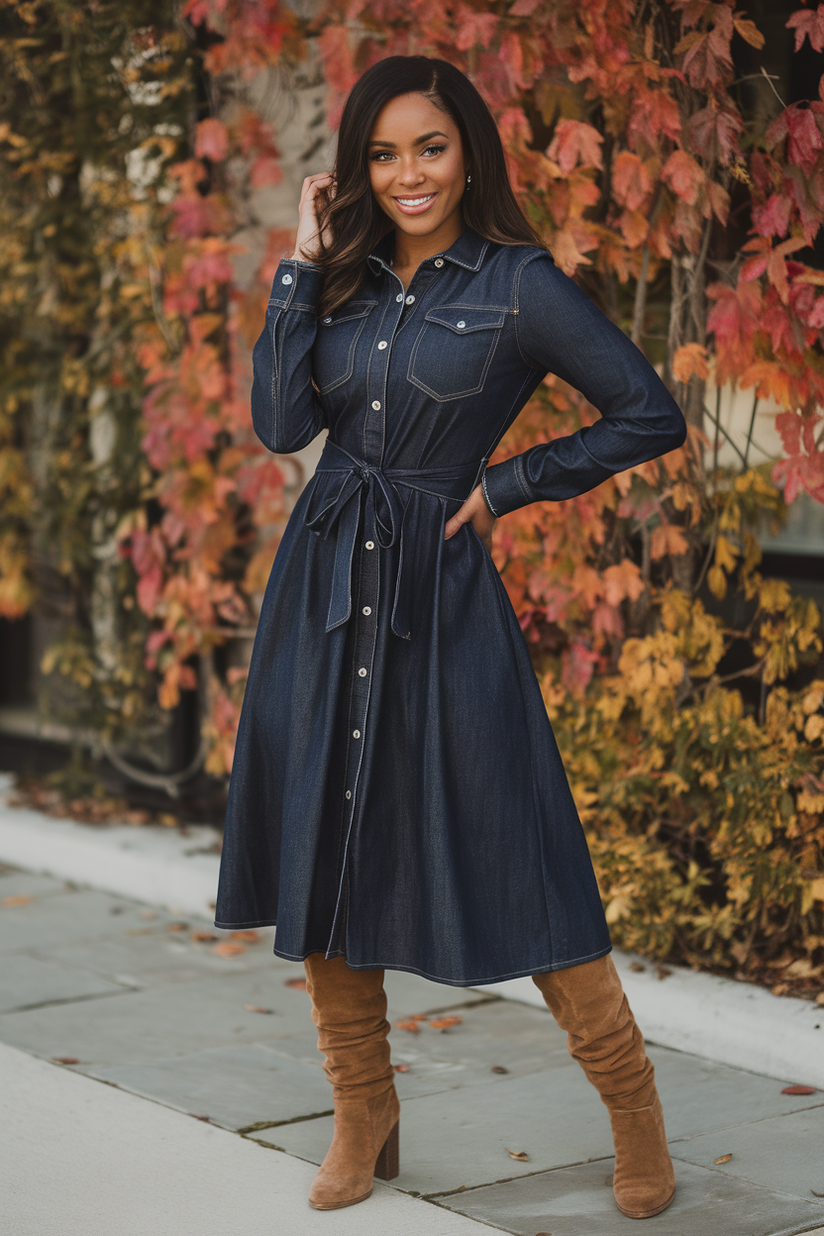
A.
x: 354, y: 218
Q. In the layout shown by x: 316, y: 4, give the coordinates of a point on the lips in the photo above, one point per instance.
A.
x: 415, y: 204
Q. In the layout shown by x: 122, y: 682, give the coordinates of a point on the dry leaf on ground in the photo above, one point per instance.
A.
x: 177, y: 926
x: 637, y: 967
x: 148, y: 914
x: 299, y: 983
x: 409, y: 1024
x: 799, y: 1090
x: 444, y: 1023
x: 65, y: 1059
x: 723, y: 1158
x: 225, y: 949
x: 498, y: 1068
x: 401, y: 1068
x: 203, y: 935
x: 256, y: 1008
x: 520, y: 1155
x: 246, y: 935
x: 820, y: 998
x: 20, y: 899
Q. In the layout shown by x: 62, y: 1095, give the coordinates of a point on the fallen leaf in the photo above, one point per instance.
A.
x: 637, y: 967
x: 147, y: 914
x: 401, y: 1068
x: 820, y: 998
x: 498, y: 1068
x: 65, y: 1059
x: 246, y: 935
x: 799, y: 1090
x: 203, y: 935
x: 410, y: 1024
x: 177, y: 926
x: 206, y: 1118
x: 299, y: 983
x: 444, y: 1023
x: 416, y: 1016
x: 225, y: 949
x: 662, y: 972
x: 20, y: 899
x: 520, y: 1155
x: 256, y: 1008
x: 723, y: 1158
x: 815, y: 1194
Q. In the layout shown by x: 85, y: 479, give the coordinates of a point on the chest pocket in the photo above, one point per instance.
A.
x: 333, y: 356
x: 454, y: 349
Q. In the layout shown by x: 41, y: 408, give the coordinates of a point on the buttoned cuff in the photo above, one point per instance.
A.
x: 297, y: 285
x: 505, y: 487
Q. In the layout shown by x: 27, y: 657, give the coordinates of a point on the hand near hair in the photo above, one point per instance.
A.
x: 476, y: 512
x: 313, y: 194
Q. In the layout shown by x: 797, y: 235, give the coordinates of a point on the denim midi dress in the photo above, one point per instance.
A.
x: 397, y: 795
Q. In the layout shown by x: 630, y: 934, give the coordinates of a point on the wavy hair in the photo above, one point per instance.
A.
x: 355, y: 221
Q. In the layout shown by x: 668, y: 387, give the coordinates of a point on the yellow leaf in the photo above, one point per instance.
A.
x: 725, y: 553
x: 690, y: 361
x: 717, y: 582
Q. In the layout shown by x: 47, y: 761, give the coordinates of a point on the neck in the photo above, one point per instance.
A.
x: 411, y: 250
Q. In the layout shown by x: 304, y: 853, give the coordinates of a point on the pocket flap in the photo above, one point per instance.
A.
x: 352, y: 309
x: 465, y: 318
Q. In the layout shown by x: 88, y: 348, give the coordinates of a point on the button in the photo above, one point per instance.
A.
x: 367, y: 609
x: 439, y: 262
x: 399, y: 297
x: 370, y: 544
x: 348, y: 793
x: 410, y: 300
x: 286, y: 279
x: 461, y: 325
x: 356, y: 733
x: 362, y: 672
x: 327, y: 320
x: 376, y: 404
x: 382, y: 345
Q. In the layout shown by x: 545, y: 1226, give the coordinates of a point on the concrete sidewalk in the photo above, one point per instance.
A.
x: 216, y: 1105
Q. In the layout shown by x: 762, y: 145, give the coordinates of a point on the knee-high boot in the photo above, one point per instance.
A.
x: 349, y: 1010
x: 588, y: 1002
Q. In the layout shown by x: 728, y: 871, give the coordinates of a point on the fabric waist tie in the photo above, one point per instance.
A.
x: 338, y: 506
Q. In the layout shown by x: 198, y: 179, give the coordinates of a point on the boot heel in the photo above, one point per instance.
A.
x: 388, y: 1164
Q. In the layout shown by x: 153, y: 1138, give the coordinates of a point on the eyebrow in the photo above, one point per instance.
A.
x: 418, y: 140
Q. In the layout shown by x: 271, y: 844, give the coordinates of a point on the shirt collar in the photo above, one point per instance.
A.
x: 468, y: 251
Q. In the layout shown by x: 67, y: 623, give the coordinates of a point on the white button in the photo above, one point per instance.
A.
x: 348, y: 793
x: 286, y: 279
x: 399, y: 297
x: 356, y: 733
x: 327, y: 320
x: 439, y: 262
x: 382, y: 345
x: 370, y: 544
x: 410, y: 300
x: 362, y: 672
x: 376, y: 404
x: 367, y: 609
x: 461, y: 325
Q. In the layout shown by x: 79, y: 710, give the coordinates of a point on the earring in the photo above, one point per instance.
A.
x: 469, y: 180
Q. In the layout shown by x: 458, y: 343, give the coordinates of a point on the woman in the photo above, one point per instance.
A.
x: 397, y: 799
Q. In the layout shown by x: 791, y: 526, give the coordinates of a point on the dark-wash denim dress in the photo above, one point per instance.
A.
x: 397, y: 795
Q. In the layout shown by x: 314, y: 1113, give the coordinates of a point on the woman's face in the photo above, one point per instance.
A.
x: 417, y: 166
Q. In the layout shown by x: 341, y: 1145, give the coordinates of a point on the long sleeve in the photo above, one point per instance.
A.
x: 286, y: 412
x: 561, y: 331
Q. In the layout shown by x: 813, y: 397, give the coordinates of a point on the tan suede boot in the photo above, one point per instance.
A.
x: 588, y: 1002
x: 349, y: 1010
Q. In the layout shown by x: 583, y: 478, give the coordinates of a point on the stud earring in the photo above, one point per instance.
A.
x: 469, y: 180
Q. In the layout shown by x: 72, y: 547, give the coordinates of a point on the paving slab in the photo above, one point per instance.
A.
x: 578, y: 1201
x: 27, y: 982
x: 785, y: 1153
x: 234, y: 1086
x: 15, y: 883
x: 81, y: 1159
x: 63, y: 918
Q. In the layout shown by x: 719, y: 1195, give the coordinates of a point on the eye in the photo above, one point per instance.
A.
x: 437, y: 149
x: 380, y: 156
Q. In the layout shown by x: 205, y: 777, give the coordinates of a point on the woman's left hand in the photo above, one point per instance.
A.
x: 476, y: 512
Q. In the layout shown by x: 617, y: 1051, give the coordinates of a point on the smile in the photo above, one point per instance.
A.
x: 415, y: 205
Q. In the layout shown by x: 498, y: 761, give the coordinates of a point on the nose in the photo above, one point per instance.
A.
x: 410, y: 173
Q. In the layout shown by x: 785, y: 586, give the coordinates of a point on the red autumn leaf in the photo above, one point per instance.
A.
x: 708, y: 57
x: 246, y: 935
x: 474, y: 27
x: 65, y: 1059
x: 715, y: 129
x: 401, y: 1068
x: 684, y: 175
x: 444, y: 1023
x: 225, y: 949
x: 203, y: 935
x: 808, y: 25
x: 772, y: 218
x: 298, y: 983
x: 408, y: 1024
x: 804, y: 141
x: 631, y: 181
x: 575, y: 142
x: 211, y: 140
x: 799, y: 1089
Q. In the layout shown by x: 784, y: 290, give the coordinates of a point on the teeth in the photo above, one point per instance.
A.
x: 415, y: 201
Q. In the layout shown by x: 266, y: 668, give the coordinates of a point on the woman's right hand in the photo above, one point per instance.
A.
x: 307, y: 245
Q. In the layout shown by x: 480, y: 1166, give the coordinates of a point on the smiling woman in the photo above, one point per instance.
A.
x: 397, y: 797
